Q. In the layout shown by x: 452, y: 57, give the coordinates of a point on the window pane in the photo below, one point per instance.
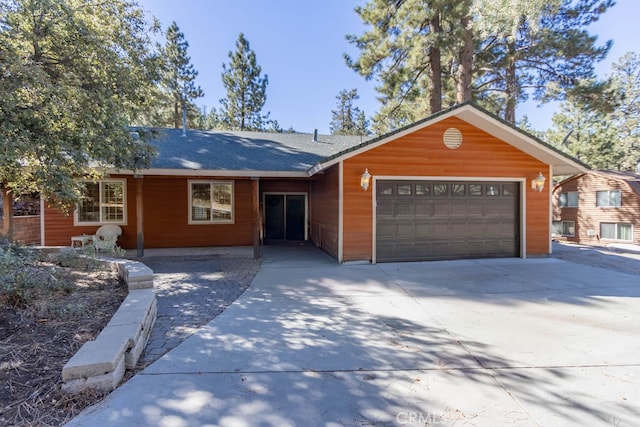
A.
x: 404, y: 189
x: 614, y: 198
x: 607, y: 231
x: 439, y: 189
x: 625, y: 232
x: 508, y: 189
x: 475, y: 190
x: 89, y: 206
x: 457, y: 189
x: 422, y: 189
x: 562, y: 200
x: 557, y: 227
x: 572, y: 199
x: 569, y: 228
x: 385, y: 188
x: 493, y: 190
x: 222, y: 201
x: 608, y: 198
x: 201, y: 202
x: 112, y: 202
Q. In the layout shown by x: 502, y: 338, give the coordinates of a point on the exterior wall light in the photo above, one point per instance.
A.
x: 364, y: 179
x: 538, y: 183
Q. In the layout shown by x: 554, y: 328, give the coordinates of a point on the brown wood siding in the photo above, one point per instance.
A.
x: 587, y: 216
x: 283, y: 186
x: 423, y: 154
x: 166, y: 212
x: 324, y: 211
x: 166, y: 217
x: 59, y: 227
x: 26, y: 229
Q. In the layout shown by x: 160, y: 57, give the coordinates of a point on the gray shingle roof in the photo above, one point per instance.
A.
x: 245, y: 151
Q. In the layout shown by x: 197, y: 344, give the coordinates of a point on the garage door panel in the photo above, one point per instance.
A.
x: 441, y: 210
x: 423, y: 230
x: 385, y: 210
x: 404, y: 231
x: 386, y: 231
x: 458, y: 208
x: 403, y: 209
x: 423, y: 208
x: 446, y: 220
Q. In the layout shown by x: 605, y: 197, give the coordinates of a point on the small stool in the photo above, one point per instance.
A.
x: 83, y: 240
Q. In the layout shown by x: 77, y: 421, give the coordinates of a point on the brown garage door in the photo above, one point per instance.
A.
x: 432, y: 220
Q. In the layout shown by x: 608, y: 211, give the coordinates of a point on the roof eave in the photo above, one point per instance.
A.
x: 213, y: 172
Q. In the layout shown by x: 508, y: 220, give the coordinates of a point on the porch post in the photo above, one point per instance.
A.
x: 255, y: 187
x: 7, y: 207
x: 139, y: 216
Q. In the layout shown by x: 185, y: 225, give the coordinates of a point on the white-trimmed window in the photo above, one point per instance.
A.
x: 608, y: 199
x: 616, y: 231
x: 102, y: 202
x: 210, y: 202
x: 564, y: 228
x: 568, y: 199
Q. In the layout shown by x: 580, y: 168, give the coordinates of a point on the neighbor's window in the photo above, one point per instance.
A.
x: 608, y: 198
x: 615, y: 231
x: 210, y: 202
x: 102, y: 202
x: 568, y: 199
x: 564, y: 228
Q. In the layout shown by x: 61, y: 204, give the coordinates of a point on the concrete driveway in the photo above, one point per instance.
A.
x: 541, y: 342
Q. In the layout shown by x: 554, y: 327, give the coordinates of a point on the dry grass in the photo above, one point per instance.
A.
x: 39, y: 336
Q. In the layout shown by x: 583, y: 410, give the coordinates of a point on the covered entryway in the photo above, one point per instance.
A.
x: 432, y: 220
x: 285, y: 216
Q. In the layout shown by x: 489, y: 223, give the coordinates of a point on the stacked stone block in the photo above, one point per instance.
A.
x: 101, y: 364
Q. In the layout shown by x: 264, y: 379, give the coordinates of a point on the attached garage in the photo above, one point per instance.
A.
x: 434, y: 220
x: 459, y: 184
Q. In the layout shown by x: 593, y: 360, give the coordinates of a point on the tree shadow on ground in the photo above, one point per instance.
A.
x: 360, y: 346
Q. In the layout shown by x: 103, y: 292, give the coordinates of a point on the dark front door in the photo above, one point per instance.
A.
x: 285, y: 216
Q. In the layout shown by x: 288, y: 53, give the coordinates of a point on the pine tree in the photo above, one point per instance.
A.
x: 246, y: 90
x: 431, y: 54
x: 549, y: 57
x: 347, y: 119
x: 604, y: 138
x: 179, y: 77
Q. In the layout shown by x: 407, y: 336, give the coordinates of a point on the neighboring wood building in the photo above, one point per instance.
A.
x: 598, y: 206
x: 454, y: 185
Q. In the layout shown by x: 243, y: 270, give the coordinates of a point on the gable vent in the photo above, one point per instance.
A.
x: 452, y: 138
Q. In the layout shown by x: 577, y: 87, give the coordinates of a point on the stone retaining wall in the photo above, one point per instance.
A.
x: 101, y: 364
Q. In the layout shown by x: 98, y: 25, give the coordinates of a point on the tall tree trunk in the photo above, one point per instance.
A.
x: 7, y: 210
x: 513, y: 88
x: 177, y: 116
x: 435, y: 67
x: 465, y: 66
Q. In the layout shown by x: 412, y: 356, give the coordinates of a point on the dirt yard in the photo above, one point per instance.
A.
x: 39, y: 336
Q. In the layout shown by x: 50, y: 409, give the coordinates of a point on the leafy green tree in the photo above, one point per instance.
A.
x: 246, y: 89
x: 604, y: 139
x: 347, y: 119
x: 179, y: 77
x: 75, y: 74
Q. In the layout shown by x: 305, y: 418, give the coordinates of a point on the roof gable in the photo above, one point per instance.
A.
x: 562, y: 163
